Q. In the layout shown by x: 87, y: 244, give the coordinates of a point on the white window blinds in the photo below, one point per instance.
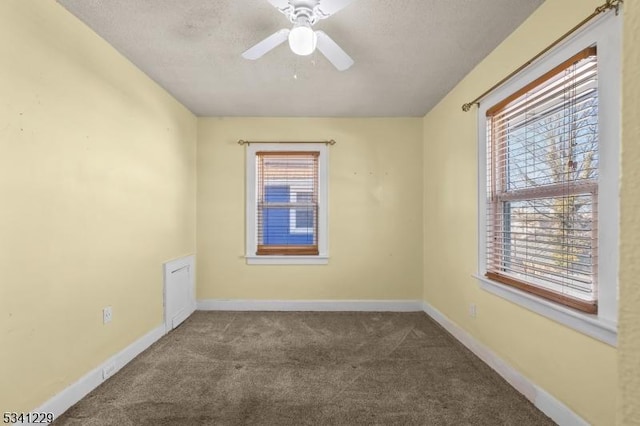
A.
x: 542, y: 185
x: 287, y: 203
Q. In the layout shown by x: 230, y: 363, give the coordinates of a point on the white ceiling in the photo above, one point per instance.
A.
x: 408, y: 53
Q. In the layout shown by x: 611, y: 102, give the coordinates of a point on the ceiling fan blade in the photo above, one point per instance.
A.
x: 327, y: 8
x: 281, y: 5
x: 333, y: 52
x: 269, y: 43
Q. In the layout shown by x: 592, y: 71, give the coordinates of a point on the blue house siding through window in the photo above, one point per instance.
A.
x: 278, y: 226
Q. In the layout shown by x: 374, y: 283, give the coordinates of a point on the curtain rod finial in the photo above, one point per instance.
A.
x: 467, y: 107
x: 609, y: 4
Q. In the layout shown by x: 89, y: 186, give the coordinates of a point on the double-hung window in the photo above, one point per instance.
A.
x: 549, y: 190
x: 286, y: 203
x: 542, y: 233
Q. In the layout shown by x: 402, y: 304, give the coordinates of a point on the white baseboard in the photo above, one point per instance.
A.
x: 78, y: 390
x: 543, y: 400
x: 310, y: 305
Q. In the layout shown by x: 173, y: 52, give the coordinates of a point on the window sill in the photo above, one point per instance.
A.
x: 287, y: 260
x: 591, y: 325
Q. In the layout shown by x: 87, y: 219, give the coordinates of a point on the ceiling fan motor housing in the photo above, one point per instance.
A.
x: 304, y: 11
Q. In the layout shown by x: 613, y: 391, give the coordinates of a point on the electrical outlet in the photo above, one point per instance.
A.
x: 107, y: 314
x: 472, y: 310
x: 108, y: 370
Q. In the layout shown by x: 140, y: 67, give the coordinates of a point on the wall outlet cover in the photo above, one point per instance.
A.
x: 107, y: 315
x: 472, y: 310
x: 109, y: 370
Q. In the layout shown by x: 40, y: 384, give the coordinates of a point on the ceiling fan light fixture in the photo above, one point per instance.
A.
x: 302, y: 39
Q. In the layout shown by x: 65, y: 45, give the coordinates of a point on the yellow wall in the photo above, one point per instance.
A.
x: 629, y: 320
x: 375, y: 211
x: 97, y: 189
x: 578, y: 370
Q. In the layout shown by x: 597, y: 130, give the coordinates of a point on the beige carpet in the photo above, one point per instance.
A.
x: 296, y: 368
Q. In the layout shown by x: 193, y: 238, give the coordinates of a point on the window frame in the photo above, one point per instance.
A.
x: 251, y: 242
x: 605, y: 33
x: 498, y: 183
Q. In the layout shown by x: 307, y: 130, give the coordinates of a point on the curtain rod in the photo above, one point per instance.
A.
x: 609, y: 4
x: 243, y: 142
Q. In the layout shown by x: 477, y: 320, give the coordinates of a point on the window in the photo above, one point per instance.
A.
x: 287, y: 189
x: 548, y: 190
x: 543, y: 183
x: 286, y: 203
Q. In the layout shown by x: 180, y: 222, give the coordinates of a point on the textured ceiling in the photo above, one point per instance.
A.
x: 408, y: 53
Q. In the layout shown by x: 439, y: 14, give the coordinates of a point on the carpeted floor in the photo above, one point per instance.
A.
x: 296, y: 368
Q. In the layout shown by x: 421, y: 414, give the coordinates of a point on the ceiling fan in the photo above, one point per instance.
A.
x: 302, y: 39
